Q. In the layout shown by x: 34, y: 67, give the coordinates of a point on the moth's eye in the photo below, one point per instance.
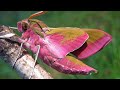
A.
x: 25, y: 26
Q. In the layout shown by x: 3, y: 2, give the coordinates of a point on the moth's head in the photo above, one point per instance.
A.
x: 23, y: 25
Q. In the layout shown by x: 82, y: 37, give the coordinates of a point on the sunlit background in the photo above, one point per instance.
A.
x: 107, y: 62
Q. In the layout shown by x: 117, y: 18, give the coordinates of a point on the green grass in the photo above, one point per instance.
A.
x: 107, y: 61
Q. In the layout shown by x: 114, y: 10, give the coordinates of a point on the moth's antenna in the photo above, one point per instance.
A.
x: 37, y: 14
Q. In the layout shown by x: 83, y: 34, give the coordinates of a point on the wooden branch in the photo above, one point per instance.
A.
x: 9, y: 49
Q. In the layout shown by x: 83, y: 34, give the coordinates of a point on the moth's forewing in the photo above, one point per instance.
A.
x: 98, y: 39
x: 69, y: 65
x: 65, y: 40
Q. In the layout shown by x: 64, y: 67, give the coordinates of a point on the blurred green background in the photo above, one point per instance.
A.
x: 107, y: 62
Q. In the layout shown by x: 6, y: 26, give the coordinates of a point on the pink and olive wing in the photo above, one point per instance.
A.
x: 69, y: 65
x: 66, y: 40
x: 98, y: 39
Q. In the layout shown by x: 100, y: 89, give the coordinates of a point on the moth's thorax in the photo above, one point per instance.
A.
x: 33, y: 38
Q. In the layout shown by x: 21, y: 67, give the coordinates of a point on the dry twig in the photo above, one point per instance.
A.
x: 9, y: 49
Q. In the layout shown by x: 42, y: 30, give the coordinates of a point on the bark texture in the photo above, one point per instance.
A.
x: 9, y: 50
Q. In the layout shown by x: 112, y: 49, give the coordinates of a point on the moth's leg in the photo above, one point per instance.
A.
x: 19, y: 51
x: 36, y: 57
x: 18, y: 54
